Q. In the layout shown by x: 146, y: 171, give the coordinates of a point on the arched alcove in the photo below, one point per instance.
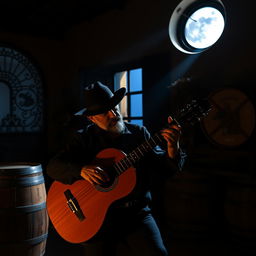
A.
x: 22, y: 136
x: 20, y: 93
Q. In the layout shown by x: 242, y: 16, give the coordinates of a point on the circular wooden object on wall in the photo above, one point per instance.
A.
x: 232, y: 119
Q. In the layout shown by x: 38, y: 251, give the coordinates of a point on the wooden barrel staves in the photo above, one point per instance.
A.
x: 23, y: 215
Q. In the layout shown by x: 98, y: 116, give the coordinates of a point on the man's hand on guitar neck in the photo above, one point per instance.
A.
x: 94, y: 174
x: 172, y: 136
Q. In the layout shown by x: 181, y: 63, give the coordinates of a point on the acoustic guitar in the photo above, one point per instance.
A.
x: 77, y: 211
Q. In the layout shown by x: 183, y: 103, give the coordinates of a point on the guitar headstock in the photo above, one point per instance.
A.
x: 193, y: 112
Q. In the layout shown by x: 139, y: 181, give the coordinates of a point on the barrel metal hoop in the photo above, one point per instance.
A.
x: 25, y: 208
x: 36, y: 240
x: 22, y: 181
x: 30, y: 181
x: 5, y: 171
x: 31, y: 241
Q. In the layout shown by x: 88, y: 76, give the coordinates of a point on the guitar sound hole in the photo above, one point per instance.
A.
x: 109, y: 185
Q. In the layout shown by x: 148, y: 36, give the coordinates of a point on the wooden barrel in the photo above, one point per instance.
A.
x: 23, y: 215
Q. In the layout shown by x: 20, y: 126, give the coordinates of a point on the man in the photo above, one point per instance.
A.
x: 129, y: 220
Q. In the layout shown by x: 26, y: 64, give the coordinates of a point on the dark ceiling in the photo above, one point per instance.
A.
x: 51, y: 18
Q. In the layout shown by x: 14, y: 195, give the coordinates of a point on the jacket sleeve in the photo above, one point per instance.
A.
x: 67, y: 164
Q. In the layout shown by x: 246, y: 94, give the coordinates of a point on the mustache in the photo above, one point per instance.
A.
x: 115, y: 119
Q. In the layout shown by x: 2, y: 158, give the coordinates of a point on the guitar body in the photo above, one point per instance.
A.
x: 93, y: 200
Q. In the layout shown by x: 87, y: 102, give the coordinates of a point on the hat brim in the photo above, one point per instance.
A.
x: 117, y: 97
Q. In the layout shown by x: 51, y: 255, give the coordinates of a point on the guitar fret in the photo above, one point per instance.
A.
x: 129, y: 160
x: 134, y: 156
x: 151, y: 143
x: 117, y: 169
x: 152, y: 139
x: 159, y: 138
x: 125, y: 164
x: 122, y: 166
x: 144, y: 146
x: 141, y: 152
x: 148, y: 146
x: 128, y: 163
x: 148, y: 143
x: 136, y: 153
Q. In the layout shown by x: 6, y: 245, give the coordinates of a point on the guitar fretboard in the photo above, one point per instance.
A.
x: 137, y: 153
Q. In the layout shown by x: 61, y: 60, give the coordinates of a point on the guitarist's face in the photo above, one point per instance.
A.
x: 110, y: 120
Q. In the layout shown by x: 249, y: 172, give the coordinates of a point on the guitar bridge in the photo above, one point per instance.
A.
x: 74, y: 205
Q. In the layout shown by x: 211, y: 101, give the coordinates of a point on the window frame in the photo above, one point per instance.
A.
x: 129, y: 93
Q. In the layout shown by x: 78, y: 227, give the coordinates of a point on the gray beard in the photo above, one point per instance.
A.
x: 118, y: 128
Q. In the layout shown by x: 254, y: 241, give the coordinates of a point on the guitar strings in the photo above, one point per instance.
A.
x: 89, y: 191
x: 65, y: 210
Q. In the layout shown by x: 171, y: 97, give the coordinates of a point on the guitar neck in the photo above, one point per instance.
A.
x: 139, y: 152
x: 190, y: 114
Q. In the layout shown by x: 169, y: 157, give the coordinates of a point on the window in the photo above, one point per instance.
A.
x: 132, y: 104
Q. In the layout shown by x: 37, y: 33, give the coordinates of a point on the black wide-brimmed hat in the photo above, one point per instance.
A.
x: 98, y: 98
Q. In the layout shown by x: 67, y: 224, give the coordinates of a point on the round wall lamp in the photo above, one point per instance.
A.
x: 196, y: 25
